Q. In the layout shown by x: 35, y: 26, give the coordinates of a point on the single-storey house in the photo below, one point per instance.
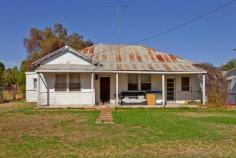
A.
x: 115, y: 75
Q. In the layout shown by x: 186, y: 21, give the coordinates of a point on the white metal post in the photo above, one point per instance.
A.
x: 203, y: 89
x: 117, y: 90
x: 163, y: 91
x: 92, y: 80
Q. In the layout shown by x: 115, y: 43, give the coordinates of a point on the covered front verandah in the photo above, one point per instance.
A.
x: 118, y: 82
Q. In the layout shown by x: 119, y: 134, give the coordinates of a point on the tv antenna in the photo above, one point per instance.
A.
x: 117, y: 11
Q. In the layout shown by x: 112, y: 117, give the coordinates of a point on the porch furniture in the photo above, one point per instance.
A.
x: 133, y: 98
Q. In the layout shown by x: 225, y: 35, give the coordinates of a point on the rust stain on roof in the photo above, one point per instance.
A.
x: 173, y: 58
x: 166, y: 58
x: 167, y: 67
x: 118, y: 56
x: 91, y: 50
x: 104, y: 57
x: 119, y: 66
x: 149, y: 50
x: 131, y: 57
x: 160, y: 58
x: 150, y: 66
x: 137, y: 58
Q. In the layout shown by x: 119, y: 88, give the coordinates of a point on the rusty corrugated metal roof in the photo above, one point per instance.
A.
x: 137, y: 58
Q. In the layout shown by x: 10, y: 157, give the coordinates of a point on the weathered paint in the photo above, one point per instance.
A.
x: 116, y: 57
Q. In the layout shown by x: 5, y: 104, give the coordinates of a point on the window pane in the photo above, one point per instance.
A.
x: 145, y: 86
x: 133, y: 78
x: 74, y: 82
x: 185, y: 83
x: 60, y: 83
x: 146, y: 78
x: 35, y: 83
x: 132, y: 86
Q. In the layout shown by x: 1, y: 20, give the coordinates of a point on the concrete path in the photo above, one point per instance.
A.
x: 105, y: 115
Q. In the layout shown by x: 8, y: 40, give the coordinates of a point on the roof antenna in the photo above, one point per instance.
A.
x: 117, y: 10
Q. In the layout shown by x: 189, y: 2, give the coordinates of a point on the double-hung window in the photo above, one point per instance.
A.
x: 60, y: 83
x: 74, y: 84
x: 145, y: 82
x: 132, y: 82
x: 185, y: 84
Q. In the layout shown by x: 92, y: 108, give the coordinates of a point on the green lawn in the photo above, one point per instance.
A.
x: 26, y: 131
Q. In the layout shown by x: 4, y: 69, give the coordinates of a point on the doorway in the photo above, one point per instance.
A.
x: 170, y: 87
x: 105, y: 89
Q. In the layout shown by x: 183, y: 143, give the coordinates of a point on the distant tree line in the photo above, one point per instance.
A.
x: 39, y: 43
x: 229, y: 65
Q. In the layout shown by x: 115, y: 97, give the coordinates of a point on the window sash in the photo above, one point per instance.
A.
x: 60, y: 82
x: 146, y: 86
x: 185, y: 84
x: 132, y: 78
x: 145, y: 78
x: 74, y: 82
x: 146, y: 82
x: 132, y: 86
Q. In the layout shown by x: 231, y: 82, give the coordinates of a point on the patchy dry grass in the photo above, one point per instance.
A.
x: 26, y: 131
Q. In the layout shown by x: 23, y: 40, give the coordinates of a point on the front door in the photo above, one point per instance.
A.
x: 170, y: 89
x: 105, y: 89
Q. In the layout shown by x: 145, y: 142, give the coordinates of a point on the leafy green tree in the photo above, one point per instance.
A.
x: 2, y: 69
x: 229, y: 65
x: 42, y: 42
x: 10, y: 76
x: 21, y: 75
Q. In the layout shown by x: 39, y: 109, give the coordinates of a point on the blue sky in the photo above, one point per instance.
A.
x: 207, y: 40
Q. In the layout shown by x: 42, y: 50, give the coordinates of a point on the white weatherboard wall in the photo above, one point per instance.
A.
x: 48, y: 95
x: 66, y: 57
x: 31, y: 93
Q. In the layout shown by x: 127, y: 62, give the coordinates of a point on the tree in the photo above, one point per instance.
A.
x: 21, y: 76
x: 10, y: 80
x: 2, y: 69
x: 42, y: 42
x: 216, y: 85
x: 229, y: 65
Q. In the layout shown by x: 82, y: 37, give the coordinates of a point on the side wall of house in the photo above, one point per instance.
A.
x: 48, y: 95
x: 31, y: 91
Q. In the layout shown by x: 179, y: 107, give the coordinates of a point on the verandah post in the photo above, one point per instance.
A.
x: 203, y: 89
x: 117, y: 84
x: 163, y: 90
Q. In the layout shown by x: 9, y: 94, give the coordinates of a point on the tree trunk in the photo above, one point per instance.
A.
x: 1, y: 94
x: 13, y: 92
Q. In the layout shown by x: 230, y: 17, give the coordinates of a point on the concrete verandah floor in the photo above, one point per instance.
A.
x: 121, y: 106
